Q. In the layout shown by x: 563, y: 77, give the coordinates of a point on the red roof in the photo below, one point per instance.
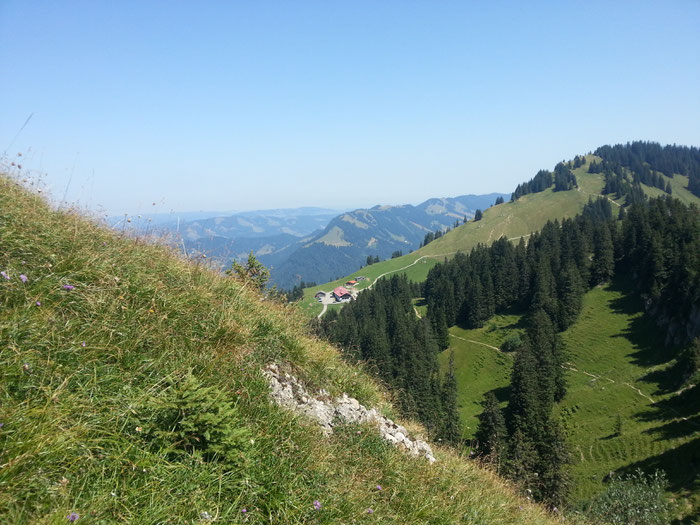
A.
x: 340, y: 291
x: 351, y: 282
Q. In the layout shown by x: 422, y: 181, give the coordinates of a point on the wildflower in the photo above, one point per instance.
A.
x: 73, y: 516
x: 23, y: 278
x: 26, y: 367
x: 317, y: 504
x: 139, y: 429
x: 2, y: 425
x: 379, y: 487
x: 5, y: 275
x: 205, y: 515
x: 38, y: 303
x: 82, y: 344
x: 68, y: 287
x: 370, y: 511
x: 244, y: 510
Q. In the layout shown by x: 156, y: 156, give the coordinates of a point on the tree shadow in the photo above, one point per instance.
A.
x: 502, y: 393
x: 679, y: 416
x: 646, y: 337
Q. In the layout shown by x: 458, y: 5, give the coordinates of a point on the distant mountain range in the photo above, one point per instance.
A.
x: 344, y: 244
x: 309, y: 244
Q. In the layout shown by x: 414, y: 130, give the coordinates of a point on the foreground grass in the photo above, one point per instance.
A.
x: 620, y: 367
x: 79, y: 366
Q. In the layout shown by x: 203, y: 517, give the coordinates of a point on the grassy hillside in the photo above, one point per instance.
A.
x: 103, y: 338
x: 511, y: 219
x: 618, y: 365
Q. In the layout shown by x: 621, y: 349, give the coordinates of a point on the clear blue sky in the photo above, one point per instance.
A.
x: 244, y: 105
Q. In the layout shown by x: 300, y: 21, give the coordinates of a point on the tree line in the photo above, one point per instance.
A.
x: 644, y: 158
x: 382, y: 329
x: 562, y: 178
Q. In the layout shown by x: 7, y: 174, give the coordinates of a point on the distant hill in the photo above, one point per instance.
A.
x: 519, y: 218
x: 348, y: 239
x: 296, y: 222
x: 270, y: 234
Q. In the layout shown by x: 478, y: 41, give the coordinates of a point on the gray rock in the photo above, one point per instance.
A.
x: 288, y: 392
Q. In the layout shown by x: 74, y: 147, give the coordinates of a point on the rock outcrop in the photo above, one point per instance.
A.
x: 287, y: 391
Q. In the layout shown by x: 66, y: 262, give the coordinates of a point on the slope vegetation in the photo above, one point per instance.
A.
x: 617, y: 365
x: 132, y: 393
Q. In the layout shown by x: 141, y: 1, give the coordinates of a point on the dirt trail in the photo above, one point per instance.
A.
x: 408, y: 266
x: 477, y: 343
x: 598, y: 195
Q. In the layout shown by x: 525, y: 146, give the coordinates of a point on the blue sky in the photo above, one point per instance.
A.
x: 248, y: 105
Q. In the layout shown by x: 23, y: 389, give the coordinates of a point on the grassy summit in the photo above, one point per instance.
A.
x: 132, y: 393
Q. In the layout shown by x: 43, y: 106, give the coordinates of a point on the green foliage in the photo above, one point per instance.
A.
x: 450, y: 429
x: 381, y: 328
x: 478, y: 215
x: 491, y: 435
x: 253, y: 272
x: 511, y: 343
x: 634, y: 499
x: 189, y: 418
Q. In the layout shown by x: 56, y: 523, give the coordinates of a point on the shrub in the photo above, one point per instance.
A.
x: 187, y: 418
x: 635, y: 499
x: 511, y: 343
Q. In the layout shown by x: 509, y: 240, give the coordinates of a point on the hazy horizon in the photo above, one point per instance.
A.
x: 249, y: 106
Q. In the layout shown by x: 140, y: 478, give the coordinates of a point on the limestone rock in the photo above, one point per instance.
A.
x: 287, y: 391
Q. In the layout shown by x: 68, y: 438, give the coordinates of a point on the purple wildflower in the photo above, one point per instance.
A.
x: 38, y: 303
x: 23, y: 278
x: 68, y: 286
x: 2, y: 425
x: 5, y: 275
x: 244, y: 510
x: 379, y: 487
x: 73, y: 516
x: 317, y: 504
x: 82, y: 344
x: 370, y: 511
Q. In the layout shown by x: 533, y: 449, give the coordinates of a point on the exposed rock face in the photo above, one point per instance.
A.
x: 287, y: 391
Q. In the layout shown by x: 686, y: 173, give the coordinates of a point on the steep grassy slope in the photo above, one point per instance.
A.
x: 618, y: 365
x: 101, y: 333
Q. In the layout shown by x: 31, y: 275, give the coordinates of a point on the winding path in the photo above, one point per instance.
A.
x: 479, y: 343
x: 408, y: 266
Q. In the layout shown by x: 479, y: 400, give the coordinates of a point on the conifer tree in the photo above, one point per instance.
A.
x: 491, y: 434
x: 450, y: 431
x: 603, y: 264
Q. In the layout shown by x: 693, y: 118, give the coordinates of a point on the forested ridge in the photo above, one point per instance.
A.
x: 653, y: 242
x: 646, y: 162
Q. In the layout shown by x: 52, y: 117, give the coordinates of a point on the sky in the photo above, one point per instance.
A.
x: 244, y: 105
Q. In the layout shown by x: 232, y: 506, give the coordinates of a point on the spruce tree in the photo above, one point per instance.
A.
x: 491, y: 434
x: 450, y: 430
x: 603, y: 264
